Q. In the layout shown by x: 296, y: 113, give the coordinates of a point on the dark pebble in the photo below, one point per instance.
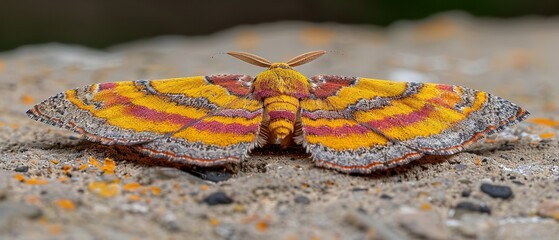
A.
x: 22, y: 169
x: 218, y: 198
x: 466, y: 193
x: 359, y: 189
x: 302, y: 200
x: 472, y: 207
x: 213, y: 176
x: 518, y: 182
x: 496, y: 191
x: 385, y: 196
x: 460, y: 167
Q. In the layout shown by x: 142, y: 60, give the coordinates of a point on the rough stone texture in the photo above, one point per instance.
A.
x: 148, y: 198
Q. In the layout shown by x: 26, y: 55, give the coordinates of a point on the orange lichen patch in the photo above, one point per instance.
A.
x: 131, y: 187
x: 14, y: 126
x: 544, y: 121
x: 520, y: 58
x: 36, y: 181
x: 33, y: 199
x: 204, y: 187
x: 55, y: 229
x: 155, y: 190
x: 317, y: 36
x: 26, y: 99
x: 2, y: 66
x: 63, y: 179
x: 477, y: 162
x: 248, y: 40
x: 83, y: 167
x: 134, y: 198
x: 547, y: 135
x: 108, y: 166
x: 262, y: 225
x: 66, y: 204
x: 104, y: 189
x: 436, y: 184
x: 66, y: 169
x: 2, y: 124
x: 439, y: 29
x: 425, y: 207
x: 214, y: 221
x: 94, y: 162
x: 20, y: 177
x: 55, y: 161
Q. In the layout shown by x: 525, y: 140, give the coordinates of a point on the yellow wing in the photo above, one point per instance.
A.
x: 201, y: 120
x: 360, y: 124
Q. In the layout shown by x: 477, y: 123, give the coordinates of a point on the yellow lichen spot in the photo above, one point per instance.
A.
x: 262, y: 225
x: 317, y: 36
x: 20, y: 177
x: 238, y: 208
x: 94, y: 162
x: 438, y: 29
x: 33, y: 199
x: 425, y: 207
x: 248, y: 40
x: 214, y: 221
x: 108, y: 166
x: 103, y: 189
x: 26, y: 99
x: 477, y: 162
x: 131, y: 187
x: 155, y: 190
x: 66, y: 169
x: 55, y: 161
x: 134, y: 198
x: 66, y: 204
x: 36, y: 181
x: 55, y: 229
x: 544, y: 121
x: 83, y: 167
x: 63, y: 179
x: 547, y: 135
x: 436, y: 184
x: 204, y: 187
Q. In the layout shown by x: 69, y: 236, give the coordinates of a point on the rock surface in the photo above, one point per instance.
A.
x: 55, y: 185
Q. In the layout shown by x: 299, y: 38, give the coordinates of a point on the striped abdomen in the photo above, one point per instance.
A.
x: 281, y: 112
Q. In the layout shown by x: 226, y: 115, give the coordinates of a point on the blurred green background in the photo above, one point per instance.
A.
x: 103, y: 23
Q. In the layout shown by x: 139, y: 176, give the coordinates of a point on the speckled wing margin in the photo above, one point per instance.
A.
x: 361, y: 125
x: 206, y: 121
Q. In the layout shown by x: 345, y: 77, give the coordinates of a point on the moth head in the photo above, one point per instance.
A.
x: 262, y: 62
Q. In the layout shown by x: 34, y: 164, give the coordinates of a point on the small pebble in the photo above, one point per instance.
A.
x: 466, y: 193
x: 460, y: 167
x: 217, y: 198
x: 213, y: 176
x: 496, y: 191
x: 359, y: 189
x: 472, y: 207
x: 302, y: 200
x: 22, y: 169
x: 385, y: 196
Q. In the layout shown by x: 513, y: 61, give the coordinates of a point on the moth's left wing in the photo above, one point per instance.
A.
x: 208, y: 120
x: 360, y: 124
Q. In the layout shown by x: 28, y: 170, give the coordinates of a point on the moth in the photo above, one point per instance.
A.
x: 350, y: 124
